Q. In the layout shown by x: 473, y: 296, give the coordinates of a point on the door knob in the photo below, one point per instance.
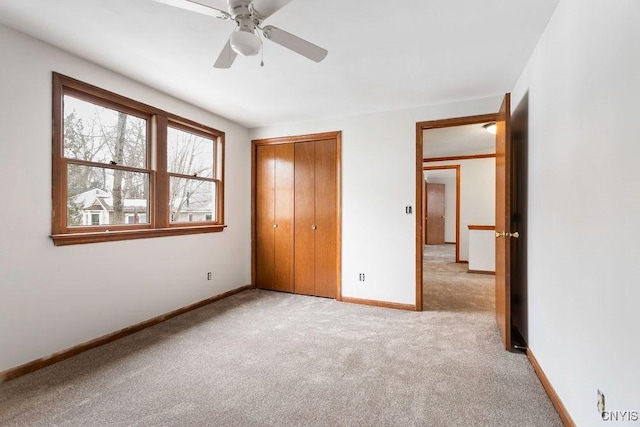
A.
x: 313, y: 227
x: 515, y: 235
x: 275, y: 225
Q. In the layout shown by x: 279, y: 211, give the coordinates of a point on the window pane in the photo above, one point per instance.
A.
x: 192, y: 200
x: 99, y: 134
x: 189, y: 154
x: 104, y: 196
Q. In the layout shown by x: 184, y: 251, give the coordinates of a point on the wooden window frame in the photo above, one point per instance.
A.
x: 159, y: 224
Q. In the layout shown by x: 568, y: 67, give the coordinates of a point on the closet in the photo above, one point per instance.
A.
x: 296, y: 214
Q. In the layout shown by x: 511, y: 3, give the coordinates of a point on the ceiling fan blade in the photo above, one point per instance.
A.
x: 194, y: 6
x: 295, y: 43
x: 226, y: 57
x: 266, y: 8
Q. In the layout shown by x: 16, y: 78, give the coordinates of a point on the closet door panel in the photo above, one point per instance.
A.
x: 326, y: 236
x: 265, y: 210
x: 284, y: 211
x: 305, y: 219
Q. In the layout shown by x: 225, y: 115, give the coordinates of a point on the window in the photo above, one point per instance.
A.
x: 95, y: 219
x: 190, y: 164
x: 125, y: 170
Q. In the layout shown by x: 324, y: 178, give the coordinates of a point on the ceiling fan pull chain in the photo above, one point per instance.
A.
x: 261, y: 48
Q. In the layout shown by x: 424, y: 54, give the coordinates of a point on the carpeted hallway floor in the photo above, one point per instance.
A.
x: 448, y: 286
x: 264, y: 358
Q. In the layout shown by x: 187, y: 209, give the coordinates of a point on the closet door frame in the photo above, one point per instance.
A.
x: 337, y: 137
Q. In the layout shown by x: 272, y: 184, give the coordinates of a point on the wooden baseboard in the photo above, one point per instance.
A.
x: 555, y: 399
x: 493, y: 273
x: 34, y: 365
x: 375, y: 303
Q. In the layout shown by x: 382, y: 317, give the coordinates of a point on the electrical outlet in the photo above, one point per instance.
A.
x: 209, y: 275
x: 361, y: 277
x: 601, y: 407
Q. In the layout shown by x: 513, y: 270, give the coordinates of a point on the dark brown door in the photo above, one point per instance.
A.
x: 503, y: 222
x: 435, y: 214
x: 316, y: 218
x: 274, y: 216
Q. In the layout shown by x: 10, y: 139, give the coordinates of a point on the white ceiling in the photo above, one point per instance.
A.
x: 458, y: 141
x: 434, y: 175
x: 383, y: 55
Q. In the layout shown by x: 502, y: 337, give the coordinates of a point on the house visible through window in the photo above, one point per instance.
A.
x: 106, y: 153
x: 124, y: 170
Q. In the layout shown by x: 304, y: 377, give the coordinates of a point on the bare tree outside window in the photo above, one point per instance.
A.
x: 103, y: 139
x: 190, y: 162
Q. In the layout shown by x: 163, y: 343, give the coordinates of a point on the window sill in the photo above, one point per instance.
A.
x: 112, y: 236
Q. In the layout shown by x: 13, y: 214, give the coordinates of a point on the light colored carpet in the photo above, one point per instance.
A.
x: 447, y: 286
x: 264, y: 358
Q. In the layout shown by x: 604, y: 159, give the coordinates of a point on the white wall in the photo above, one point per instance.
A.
x: 449, y: 206
x: 584, y: 288
x: 477, y: 196
x: 378, y: 181
x: 52, y: 298
x: 482, y: 250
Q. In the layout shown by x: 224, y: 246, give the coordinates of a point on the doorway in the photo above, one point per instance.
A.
x: 510, y: 168
x: 421, y: 127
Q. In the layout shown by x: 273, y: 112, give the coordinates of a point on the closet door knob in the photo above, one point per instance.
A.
x: 275, y: 225
x: 313, y: 227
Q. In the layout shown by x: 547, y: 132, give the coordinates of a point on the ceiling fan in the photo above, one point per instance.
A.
x: 245, y: 40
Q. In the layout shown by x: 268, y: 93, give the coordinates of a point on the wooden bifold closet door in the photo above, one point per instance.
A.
x: 315, y: 218
x: 296, y: 217
x: 274, y: 217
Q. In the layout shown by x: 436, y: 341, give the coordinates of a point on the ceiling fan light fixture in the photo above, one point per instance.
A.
x: 490, y: 127
x: 245, y: 43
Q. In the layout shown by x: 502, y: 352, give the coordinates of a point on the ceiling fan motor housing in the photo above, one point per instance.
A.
x: 239, y: 8
x: 246, y: 24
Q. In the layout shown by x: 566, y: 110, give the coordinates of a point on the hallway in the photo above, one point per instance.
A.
x: 449, y: 287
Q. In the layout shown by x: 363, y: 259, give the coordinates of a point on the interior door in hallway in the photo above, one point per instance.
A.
x: 274, y: 216
x: 316, y: 218
x: 435, y: 214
